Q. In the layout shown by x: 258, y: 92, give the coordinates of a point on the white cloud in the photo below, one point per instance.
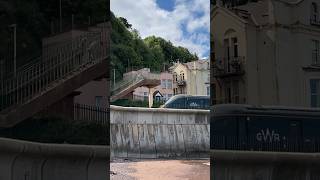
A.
x: 149, y: 19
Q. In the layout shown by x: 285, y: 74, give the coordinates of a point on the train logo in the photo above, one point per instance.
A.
x: 268, y: 136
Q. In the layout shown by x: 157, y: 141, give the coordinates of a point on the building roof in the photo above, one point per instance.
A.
x: 193, y: 65
x: 254, y: 12
x: 200, y: 64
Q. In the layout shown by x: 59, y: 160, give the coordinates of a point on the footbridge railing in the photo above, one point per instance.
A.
x: 63, y: 61
x: 126, y: 83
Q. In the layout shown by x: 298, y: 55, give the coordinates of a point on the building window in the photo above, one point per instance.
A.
x: 175, y: 77
x: 314, y: 13
x: 315, y: 92
x: 163, y: 83
x: 145, y: 96
x: 227, y: 55
x: 164, y: 96
x: 208, y: 90
x: 98, y: 100
x: 236, y: 98
x: 315, y: 52
x: 226, y: 48
x: 182, y: 91
x: 228, y: 93
x: 182, y: 75
x: 169, y: 84
x: 235, y: 47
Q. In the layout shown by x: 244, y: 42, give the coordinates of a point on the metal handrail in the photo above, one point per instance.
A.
x: 66, y: 60
x: 125, y: 83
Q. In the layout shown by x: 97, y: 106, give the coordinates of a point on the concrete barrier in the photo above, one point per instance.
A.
x: 240, y: 165
x: 37, y: 161
x: 159, y: 132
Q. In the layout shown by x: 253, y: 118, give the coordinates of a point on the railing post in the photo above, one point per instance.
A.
x: 2, y: 84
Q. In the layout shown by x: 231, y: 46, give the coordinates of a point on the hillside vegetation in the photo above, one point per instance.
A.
x: 36, y: 19
x: 130, y: 51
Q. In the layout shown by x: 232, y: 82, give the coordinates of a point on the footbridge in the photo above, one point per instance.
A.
x: 63, y: 67
x: 159, y: 133
x: 133, y: 80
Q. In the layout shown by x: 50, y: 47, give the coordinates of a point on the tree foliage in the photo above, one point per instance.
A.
x: 130, y: 51
x: 36, y: 19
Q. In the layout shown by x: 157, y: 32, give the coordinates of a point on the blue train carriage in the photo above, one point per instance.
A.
x: 264, y: 128
x: 183, y: 101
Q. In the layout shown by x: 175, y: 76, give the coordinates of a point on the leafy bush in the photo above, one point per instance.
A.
x: 130, y: 103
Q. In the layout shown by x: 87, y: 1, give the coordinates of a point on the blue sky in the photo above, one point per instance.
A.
x: 183, y: 22
x: 166, y: 4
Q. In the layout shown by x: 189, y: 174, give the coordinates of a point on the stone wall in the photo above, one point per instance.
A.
x: 159, y: 132
x: 37, y: 161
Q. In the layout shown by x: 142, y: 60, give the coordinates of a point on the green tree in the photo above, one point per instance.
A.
x: 129, y: 49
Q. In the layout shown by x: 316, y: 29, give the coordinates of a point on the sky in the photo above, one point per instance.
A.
x: 184, y: 22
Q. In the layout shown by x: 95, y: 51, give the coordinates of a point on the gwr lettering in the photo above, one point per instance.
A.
x: 267, y: 135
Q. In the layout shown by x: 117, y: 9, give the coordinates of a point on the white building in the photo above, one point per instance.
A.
x: 191, y: 78
x: 267, y: 52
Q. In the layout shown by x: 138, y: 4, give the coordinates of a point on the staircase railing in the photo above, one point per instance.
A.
x: 63, y: 60
x: 126, y: 83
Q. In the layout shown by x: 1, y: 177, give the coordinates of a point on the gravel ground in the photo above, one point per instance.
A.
x: 160, y: 169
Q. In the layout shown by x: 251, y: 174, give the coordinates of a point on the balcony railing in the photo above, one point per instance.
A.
x: 181, y: 82
x: 315, y: 21
x: 226, y: 67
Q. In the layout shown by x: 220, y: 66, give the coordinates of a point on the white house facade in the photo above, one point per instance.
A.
x: 267, y: 52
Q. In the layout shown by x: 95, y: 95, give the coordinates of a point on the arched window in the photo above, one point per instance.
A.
x: 314, y: 12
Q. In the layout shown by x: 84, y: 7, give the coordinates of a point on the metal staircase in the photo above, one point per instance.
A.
x: 50, y: 78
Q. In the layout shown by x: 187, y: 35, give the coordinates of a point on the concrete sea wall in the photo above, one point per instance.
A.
x: 37, y: 161
x: 159, y: 132
x: 247, y: 165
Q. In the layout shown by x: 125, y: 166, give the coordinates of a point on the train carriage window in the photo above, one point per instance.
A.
x: 294, y: 130
x: 242, y: 127
x: 179, y: 103
x: 193, y: 103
